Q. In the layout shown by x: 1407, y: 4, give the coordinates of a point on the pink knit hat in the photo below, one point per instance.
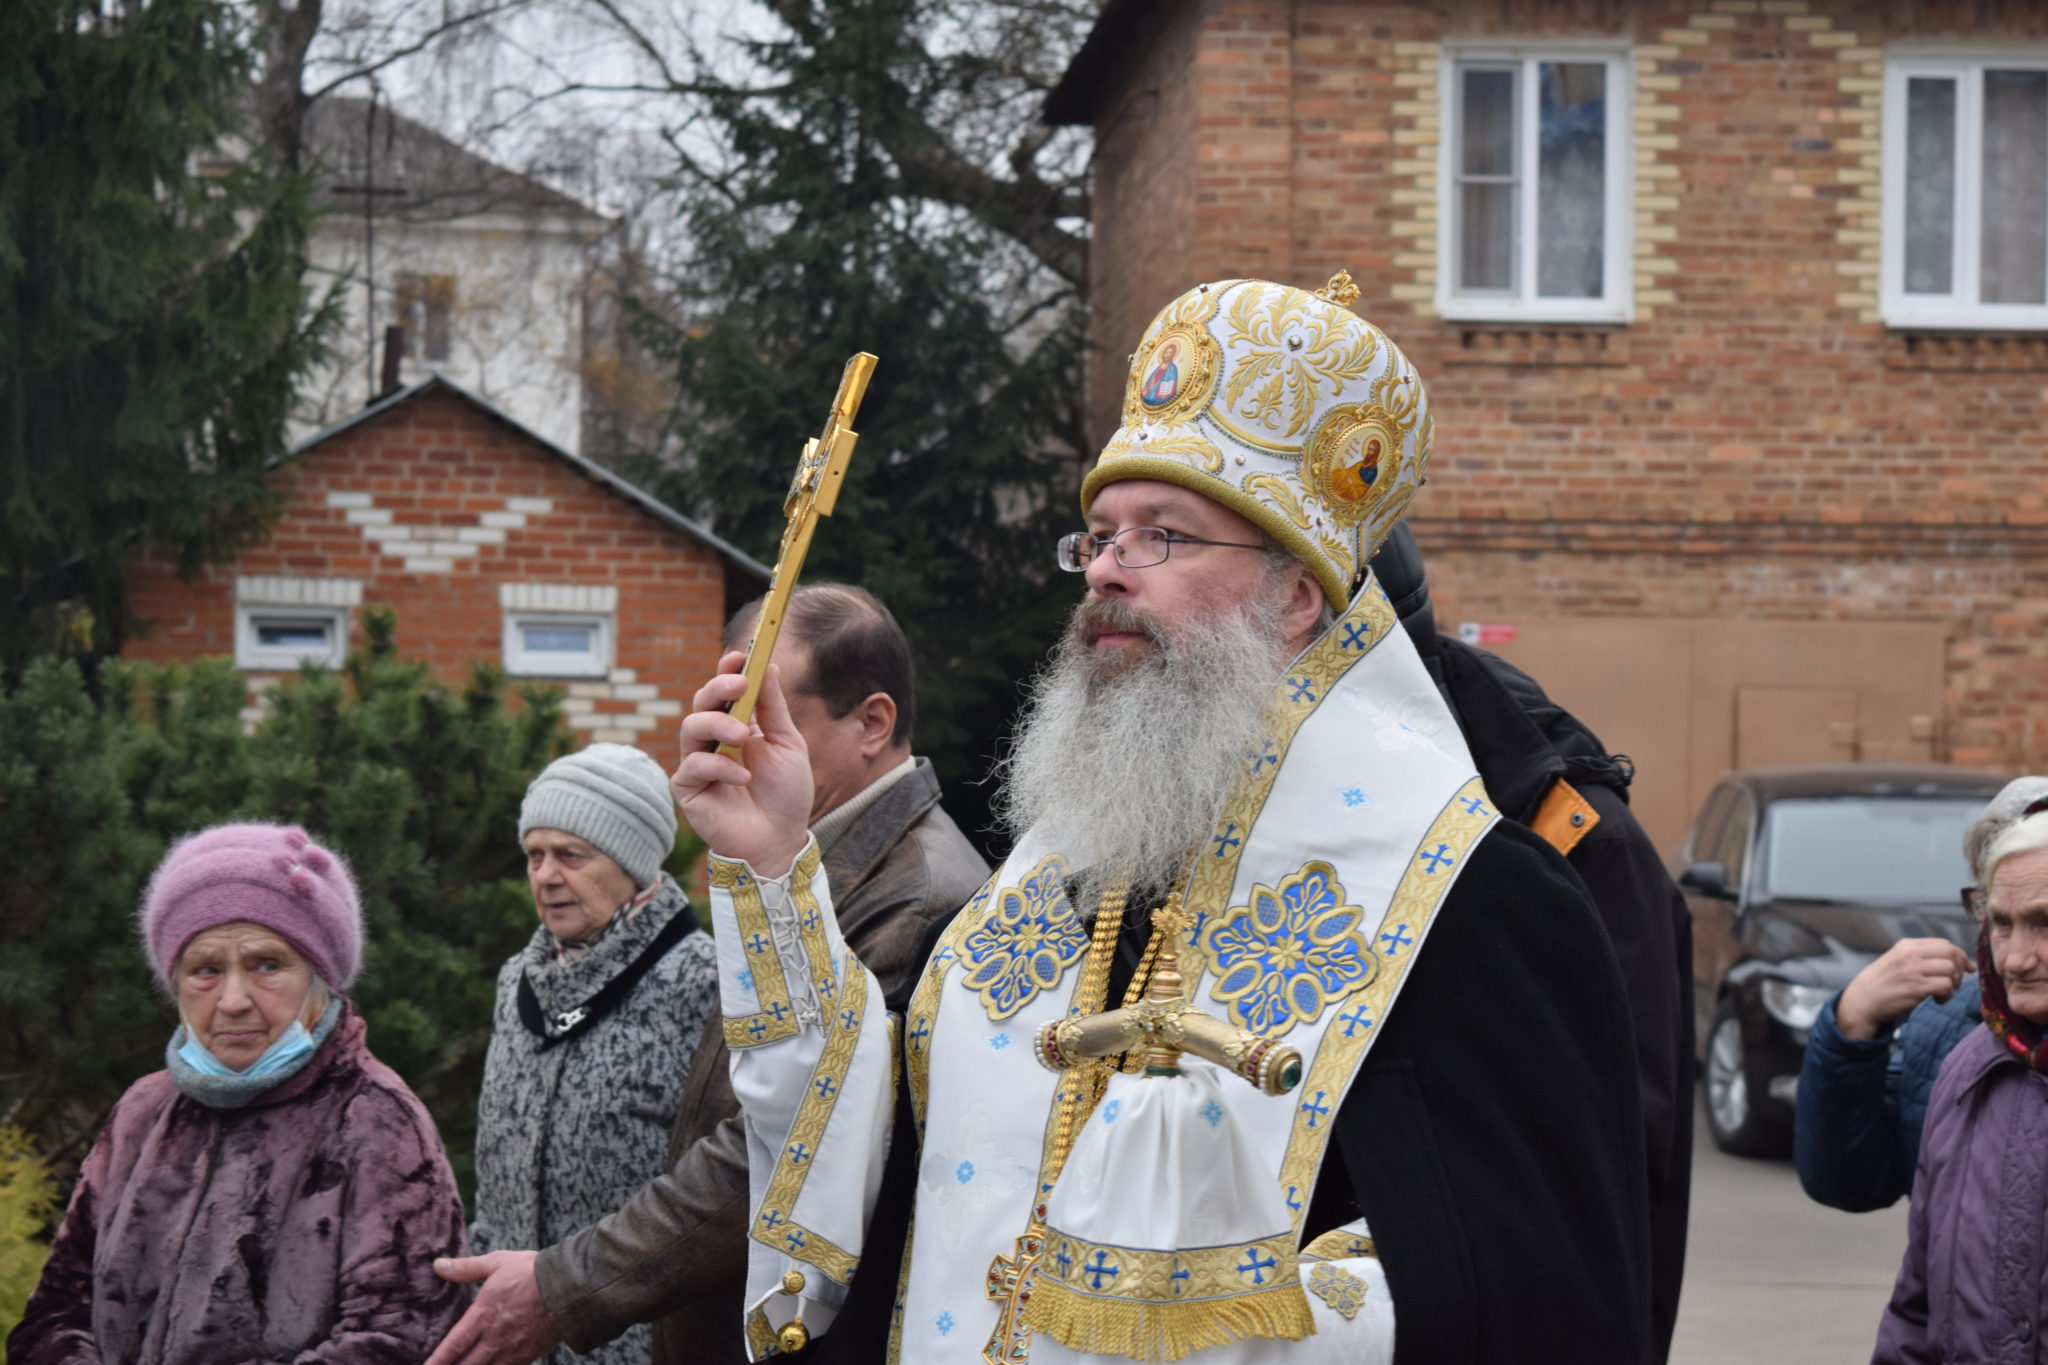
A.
x: 272, y: 875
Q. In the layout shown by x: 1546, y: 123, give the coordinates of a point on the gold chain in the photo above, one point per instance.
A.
x: 1089, y: 995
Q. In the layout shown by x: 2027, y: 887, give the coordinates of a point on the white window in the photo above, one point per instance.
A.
x: 286, y: 636
x: 548, y: 644
x: 1535, y: 221
x: 1966, y: 191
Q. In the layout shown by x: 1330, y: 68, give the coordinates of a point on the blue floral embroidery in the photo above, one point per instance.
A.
x: 1109, y: 1111
x: 1281, y: 959
x: 1354, y: 796
x: 964, y: 1172
x: 1213, y: 1112
x: 944, y: 1322
x: 999, y: 1041
x: 747, y: 980
x: 1026, y: 943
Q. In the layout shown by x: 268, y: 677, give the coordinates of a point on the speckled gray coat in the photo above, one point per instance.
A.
x: 566, y: 1133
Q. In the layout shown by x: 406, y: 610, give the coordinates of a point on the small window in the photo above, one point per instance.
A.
x: 285, y: 637
x: 424, y: 305
x: 1535, y: 175
x: 1966, y: 192
x: 553, y: 645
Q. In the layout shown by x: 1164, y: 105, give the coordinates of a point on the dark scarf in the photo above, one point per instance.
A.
x: 2022, y: 1037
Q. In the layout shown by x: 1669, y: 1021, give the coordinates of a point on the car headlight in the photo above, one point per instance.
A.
x: 1796, y: 1007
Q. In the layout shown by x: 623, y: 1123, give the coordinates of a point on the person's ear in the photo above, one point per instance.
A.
x: 877, y: 723
x: 1304, y: 605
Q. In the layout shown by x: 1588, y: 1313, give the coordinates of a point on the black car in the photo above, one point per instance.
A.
x: 1797, y: 878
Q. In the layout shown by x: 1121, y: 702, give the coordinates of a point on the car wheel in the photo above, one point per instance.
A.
x: 1731, y: 1093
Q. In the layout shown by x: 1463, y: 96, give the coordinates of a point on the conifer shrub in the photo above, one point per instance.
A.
x: 28, y: 1199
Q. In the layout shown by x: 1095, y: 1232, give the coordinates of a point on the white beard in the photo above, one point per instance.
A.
x: 1124, y: 767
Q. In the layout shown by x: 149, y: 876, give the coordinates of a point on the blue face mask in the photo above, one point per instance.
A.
x: 293, y: 1046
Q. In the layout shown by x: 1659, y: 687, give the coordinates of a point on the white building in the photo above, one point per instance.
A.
x: 483, y: 270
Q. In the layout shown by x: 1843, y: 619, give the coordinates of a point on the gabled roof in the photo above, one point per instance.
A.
x: 413, y: 173
x: 633, y: 493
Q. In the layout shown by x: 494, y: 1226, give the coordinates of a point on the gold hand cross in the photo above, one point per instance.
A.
x: 812, y: 494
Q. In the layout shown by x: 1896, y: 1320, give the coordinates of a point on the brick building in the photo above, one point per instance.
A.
x: 489, y: 543
x: 1733, y: 314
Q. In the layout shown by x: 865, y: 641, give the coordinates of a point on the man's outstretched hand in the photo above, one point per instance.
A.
x: 756, y: 808
x: 506, y: 1325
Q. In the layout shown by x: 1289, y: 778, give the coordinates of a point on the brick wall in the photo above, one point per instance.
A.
x: 432, y: 506
x: 1754, y: 443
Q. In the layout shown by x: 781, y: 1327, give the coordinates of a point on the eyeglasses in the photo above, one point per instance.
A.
x: 1135, y: 547
x: 1973, y: 902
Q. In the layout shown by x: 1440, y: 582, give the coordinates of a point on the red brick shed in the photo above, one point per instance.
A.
x: 489, y: 542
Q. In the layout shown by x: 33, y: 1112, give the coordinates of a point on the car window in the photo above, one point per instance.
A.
x: 1732, y: 850
x: 1891, y: 850
x: 1706, y: 835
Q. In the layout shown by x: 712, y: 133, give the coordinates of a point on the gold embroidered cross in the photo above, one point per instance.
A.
x: 813, y: 493
x: 1009, y: 1284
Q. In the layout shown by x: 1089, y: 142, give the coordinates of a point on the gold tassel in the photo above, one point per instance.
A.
x: 1165, y: 1331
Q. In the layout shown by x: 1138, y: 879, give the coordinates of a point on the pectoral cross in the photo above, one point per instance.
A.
x: 812, y: 494
x: 1009, y: 1284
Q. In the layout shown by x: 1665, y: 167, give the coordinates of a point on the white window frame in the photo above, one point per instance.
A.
x: 1617, y: 301
x: 251, y: 653
x: 597, y: 663
x: 1960, y: 308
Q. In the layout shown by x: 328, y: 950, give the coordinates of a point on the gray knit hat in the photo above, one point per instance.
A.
x: 612, y: 796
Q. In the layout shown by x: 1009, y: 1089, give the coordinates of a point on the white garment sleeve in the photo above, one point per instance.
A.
x: 812, y: 1065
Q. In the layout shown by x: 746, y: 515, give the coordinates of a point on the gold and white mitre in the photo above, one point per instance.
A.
x: 1284, y: 406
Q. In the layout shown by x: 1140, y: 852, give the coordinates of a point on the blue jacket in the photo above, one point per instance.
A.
x: 1856, y: 1135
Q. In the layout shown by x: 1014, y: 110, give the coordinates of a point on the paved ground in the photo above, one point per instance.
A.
x: 1772, y: 1276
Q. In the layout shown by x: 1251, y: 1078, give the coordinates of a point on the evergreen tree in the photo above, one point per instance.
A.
x: 815, y: 246
x: 151, y: 316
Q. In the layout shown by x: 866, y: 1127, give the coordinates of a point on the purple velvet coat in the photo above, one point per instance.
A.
x: 1974, y: 1284
x: 299, y: 1228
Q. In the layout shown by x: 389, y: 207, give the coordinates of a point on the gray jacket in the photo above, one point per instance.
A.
x: 677, y: 1247
x: 571, y: 1123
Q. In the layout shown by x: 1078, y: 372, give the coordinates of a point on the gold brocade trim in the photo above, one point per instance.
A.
x: 760, y: 1336
x: 895, y: 1350
x: 1187, y: 1274
x: 1308, y: 681
x: 1338, y: 1287
x: 924, y: 1002
x: 810, y: 928
x: 1432, y: 870
x: 1161, y: 1305
x: 777, y: 1020
x: 1338, y: 1245
x: 773, y: 1226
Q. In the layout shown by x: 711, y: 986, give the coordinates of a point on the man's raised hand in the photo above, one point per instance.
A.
x: 756, y: 808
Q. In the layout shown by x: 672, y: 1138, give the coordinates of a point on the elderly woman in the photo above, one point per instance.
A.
x: 596, y: 1020
x: 275, y: 1193
x: 1974, y: 1283
x: 1874, y: 1050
